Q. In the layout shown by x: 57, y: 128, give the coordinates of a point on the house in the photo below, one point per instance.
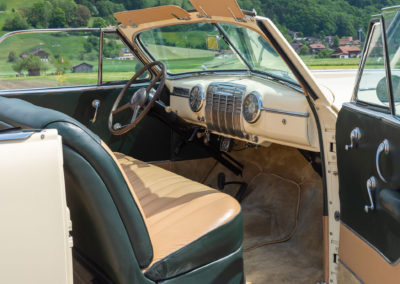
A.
x: 42, y: 54
x: 330, y: 40
x: 347, y: 51
x: 82, y: 68
x: 296, y: 45
x: 346, y: 40
x: 316, y: 48
x: 125, y: 54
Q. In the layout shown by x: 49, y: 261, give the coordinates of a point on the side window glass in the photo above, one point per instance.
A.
x: 372, y: 88
x: 119, y: 63
x: 392, y: 24
x: 42, y: 60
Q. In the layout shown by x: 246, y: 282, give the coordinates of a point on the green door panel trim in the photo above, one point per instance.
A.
x: 378, y: 228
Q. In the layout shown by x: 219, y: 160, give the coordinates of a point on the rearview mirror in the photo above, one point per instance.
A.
x: 212, y: 42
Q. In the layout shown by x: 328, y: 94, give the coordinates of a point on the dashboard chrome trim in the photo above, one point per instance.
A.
x: 223, y: 108
x: 202, y: 95
x: 260, y: 106
x: 181, y: 92
x: 286, y: 112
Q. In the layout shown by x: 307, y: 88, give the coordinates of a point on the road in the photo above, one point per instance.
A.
x: 340, y: 82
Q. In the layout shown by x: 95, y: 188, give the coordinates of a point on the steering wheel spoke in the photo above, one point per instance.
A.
x: 124, y: 107
x: 135, y: 113
x: 143, y: 98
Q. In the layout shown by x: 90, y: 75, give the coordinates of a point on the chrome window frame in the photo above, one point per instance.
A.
x: 376, y: 19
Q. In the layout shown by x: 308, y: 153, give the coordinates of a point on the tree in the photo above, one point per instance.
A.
x: 304, y: 50
x: 69, y: 8
x: 326, y: 53
x: 61, y: 64
x: 18, y: 66
x: 88, y: 46
x: 336, y: 42
x: 99, y: 23
x: 39, y: 14
x: 58, y: 20
x: 32, y: 64
x: 12, y: 56
x: 3, y: 6
x: 82, y: 16
x: 107, y: 8
x: 15, y: 23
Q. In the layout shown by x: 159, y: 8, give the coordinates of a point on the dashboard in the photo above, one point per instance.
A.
x: 256, y: 110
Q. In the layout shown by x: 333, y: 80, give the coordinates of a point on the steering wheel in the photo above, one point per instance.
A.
x: 140, y: 103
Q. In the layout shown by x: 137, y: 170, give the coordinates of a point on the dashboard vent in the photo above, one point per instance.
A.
x: 224, y: 108
x: 181, y: 92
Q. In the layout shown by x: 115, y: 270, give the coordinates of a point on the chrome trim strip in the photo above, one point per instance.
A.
x: 15, y: 136
x: 100, y: 63
x: 10, y: 34
x: 66, y: 89
x: 386, y: 9
x: 385, y: 117
x: 360, y: 72
x: 351, y: 271
x: 286, y: 112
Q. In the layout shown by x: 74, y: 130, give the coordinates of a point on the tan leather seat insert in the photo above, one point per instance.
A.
x: 177, y: 210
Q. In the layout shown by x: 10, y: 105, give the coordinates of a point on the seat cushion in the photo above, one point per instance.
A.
x: 190, y: 224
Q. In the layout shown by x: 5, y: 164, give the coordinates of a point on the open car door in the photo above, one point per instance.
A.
x: 368, y: 153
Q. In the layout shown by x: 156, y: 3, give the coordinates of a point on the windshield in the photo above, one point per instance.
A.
x: 259, y: 54
x: 186, y: 48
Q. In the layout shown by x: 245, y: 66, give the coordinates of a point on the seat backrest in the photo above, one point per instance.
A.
x: 108, y: 226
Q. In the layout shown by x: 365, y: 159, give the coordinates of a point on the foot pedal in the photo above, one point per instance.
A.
x: 241, y: 191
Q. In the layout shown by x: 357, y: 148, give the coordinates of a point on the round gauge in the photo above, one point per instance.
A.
x: 196, y: 98
x: 251, y: 107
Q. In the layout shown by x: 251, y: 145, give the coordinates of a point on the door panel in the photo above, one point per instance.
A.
x: 378, y: 227
x: 149, y: 141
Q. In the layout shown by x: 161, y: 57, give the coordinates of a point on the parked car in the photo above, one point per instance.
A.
x: 213, y: 156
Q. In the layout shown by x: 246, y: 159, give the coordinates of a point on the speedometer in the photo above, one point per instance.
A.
x: 196, y: 98
x: 252, y: 107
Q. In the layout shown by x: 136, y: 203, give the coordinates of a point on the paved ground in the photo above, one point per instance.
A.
x: 340, y: 82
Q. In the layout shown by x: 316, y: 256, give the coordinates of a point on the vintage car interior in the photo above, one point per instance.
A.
x: 203, y: 172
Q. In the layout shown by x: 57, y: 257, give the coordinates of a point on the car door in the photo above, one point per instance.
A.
x: 80, y: 72
x: 368, y: 153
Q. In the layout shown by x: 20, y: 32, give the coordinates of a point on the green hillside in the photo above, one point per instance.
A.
x: 16, y: 3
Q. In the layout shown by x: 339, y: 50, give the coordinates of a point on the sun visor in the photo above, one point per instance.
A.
x: 218, y: 8
x: 135, y: 18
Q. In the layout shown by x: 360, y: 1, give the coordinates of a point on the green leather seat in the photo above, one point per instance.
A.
x: 114, y: 235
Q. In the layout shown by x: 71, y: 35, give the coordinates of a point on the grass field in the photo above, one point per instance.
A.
x: 330, y: 63
x: 16, y: 3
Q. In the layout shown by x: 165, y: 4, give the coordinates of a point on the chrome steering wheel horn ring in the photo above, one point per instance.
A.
x: 138, y: 99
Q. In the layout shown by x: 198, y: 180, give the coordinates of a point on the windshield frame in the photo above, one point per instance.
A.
x: 250, y: 70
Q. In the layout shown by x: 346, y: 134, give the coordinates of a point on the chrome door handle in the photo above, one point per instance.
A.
x: 371, y: 185
x: 95, y: 105
x: 384, y: 147
x: 355, y: 137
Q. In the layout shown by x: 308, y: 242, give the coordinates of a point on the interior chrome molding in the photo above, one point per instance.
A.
x: 67, y: 89
x: 386, y: 117
x: 20, y: 135
x: 223, y: 108
x: 364, y: 57
x: 286, y: 112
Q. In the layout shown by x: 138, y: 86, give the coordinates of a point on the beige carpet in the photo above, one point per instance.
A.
x: 277, y: 177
